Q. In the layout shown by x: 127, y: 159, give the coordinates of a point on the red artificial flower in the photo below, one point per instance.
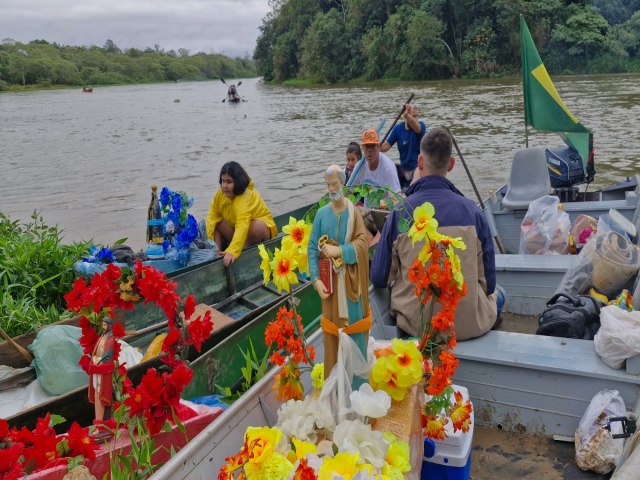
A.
x: 4, y: 428
x: 81, y: 443
x: 10, y: 467
x: 169, y: 342
x: 304, y: 471
x: 23, y: 436
x: 189, y: 307
x: 89, y: 336
x: 44, y: 450
x: 76, y: 299
x: 118, y: 330
x: 199, y: 330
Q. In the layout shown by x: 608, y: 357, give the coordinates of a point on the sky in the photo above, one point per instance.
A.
x: 229, y: 27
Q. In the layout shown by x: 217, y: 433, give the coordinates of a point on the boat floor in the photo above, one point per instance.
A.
x: 500, y: 455
x: 512, y: 322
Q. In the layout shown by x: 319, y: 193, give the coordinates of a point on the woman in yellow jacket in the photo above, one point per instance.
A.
x: 238, y: 216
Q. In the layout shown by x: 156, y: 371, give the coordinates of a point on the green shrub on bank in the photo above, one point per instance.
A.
x: 36, y: 270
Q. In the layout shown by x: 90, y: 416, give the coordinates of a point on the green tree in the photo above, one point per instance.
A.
x: 584, y: 33
x: 325, y: 46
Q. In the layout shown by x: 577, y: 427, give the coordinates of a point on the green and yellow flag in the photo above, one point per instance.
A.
x: 543, y: 107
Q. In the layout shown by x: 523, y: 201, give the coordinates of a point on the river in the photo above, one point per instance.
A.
x: 86, y: 161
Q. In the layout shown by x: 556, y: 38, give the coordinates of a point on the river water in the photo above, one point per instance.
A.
x: 86, y: 161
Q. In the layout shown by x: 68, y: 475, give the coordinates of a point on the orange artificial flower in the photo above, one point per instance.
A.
x: 287, y: 383
x: 435, y: 427
x: 461, y: 414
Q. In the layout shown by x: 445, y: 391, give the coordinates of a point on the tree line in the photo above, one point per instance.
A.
x: 42, y: 63
x: 340, y: 40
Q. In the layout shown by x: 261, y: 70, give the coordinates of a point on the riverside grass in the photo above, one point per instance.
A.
x: 36, y: 270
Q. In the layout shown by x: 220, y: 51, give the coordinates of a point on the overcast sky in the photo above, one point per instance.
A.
x: 210, y: 26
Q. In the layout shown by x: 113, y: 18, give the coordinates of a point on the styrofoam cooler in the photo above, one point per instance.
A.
x: 449, y: 459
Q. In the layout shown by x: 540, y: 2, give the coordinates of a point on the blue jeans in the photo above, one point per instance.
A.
x: 501, y: 297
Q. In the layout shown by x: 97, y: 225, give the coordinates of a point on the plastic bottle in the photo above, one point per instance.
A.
x: 155, y: 225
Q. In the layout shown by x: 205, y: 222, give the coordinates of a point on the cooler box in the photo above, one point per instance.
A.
x: 449, y: 459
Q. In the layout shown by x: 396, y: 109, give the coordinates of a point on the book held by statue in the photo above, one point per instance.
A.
x: 326, y: 275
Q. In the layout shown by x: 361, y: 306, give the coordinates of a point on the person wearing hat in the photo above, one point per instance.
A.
x: 378, y: 168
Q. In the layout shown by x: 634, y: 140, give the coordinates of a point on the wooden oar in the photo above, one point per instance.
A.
x: 492, y: 227
x: 404, y: 106
x: 21, y: 350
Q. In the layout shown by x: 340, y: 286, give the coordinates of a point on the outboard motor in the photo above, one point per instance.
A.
x: 565, y: 167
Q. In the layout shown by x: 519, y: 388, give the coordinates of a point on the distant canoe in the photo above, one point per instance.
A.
x: 87, y: 89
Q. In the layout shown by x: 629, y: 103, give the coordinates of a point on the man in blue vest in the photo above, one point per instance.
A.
x: 407, y: 135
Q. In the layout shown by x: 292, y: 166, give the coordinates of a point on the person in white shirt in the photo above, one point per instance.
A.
x: 378, y: 169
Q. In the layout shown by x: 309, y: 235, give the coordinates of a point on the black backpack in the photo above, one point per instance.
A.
x: 570, y: 316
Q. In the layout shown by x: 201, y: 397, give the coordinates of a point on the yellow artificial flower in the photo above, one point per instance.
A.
x: 344, y: 464
x: 317, y: 376
x: 398, y: 455
x: 425, y: 253
x: 423, y: 223
x: 303, y: 262
x: 389, y: 472
x: 265, y: 266
x: 261, y: 443
x: 300, y: 450
x: 297, y: 234
x: 456, y: 267
x: 276, y: 467
x: 382, y: 378
x: 283, y: 267
x: 406, y: 363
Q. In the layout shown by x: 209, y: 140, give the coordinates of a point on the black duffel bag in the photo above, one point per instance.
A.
x: 570, y: 316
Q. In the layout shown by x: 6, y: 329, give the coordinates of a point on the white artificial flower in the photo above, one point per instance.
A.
x: 367, y: 403
x: 353, y: 436
x: 169, y: 227
x: 303, y: 418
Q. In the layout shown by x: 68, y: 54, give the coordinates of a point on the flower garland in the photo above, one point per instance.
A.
x: 286, y: 332
x: 181, y: 227
x: 146, y: 408
x: 437, y: 277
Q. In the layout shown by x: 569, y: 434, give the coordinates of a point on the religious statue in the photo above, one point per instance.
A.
x: 339, y: 266
x: 101, y: 372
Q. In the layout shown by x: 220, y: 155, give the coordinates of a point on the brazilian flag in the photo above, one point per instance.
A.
x: 543, y: 108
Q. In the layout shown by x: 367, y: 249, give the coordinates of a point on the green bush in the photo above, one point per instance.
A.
x: 36, y: 270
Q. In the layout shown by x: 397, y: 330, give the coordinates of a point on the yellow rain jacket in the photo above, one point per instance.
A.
x: 239, y: 212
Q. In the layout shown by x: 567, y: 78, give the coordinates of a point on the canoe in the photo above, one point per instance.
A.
x: 526, y: 390
x: 144, y: 316
x: 238, y: 296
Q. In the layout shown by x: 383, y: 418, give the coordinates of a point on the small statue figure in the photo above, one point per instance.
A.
x: 339, y: 255
x: 101, y: 372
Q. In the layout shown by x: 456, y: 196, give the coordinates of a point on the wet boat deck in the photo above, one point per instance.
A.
x: 500, y: 455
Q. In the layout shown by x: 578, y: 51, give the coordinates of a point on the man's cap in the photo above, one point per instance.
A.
x: 370, y: 137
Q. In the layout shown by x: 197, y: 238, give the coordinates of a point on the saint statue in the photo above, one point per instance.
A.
x: 339, y: 266
x: 101, y: 372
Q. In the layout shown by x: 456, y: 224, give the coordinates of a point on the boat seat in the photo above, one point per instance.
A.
x: 529, y: 179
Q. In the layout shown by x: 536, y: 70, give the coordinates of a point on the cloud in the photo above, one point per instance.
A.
x: 210, y: 26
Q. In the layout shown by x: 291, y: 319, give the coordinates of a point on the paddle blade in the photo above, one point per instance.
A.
x: 222, y: 80
x: 223, y: 100
x: 240, y: 83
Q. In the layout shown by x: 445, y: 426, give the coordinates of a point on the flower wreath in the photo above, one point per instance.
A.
x: 116, y: 289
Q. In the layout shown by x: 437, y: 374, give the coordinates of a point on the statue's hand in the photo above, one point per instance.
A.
x: 331, y: 251
x: 322, y: 291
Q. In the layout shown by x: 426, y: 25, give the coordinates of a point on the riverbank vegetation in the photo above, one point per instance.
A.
x: 43, y: 64
x: 36, y: 270
x: 341, y: 40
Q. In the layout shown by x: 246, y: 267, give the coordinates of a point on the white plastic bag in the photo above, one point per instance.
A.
x: 545, y: 228
x: 618, y: 337
x: 596, y: 450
